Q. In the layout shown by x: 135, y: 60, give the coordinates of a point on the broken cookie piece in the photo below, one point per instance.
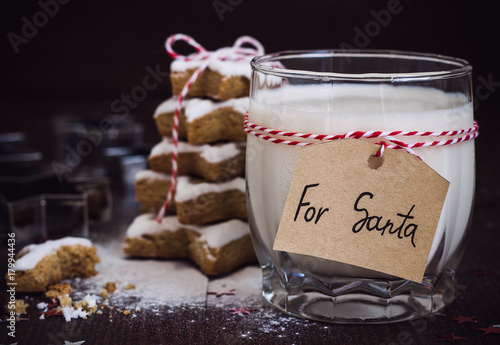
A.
x: 41, y: 265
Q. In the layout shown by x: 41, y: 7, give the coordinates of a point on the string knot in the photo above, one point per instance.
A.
x: 380, y: 152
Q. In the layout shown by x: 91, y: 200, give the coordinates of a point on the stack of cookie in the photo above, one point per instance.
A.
x: 206, y: 220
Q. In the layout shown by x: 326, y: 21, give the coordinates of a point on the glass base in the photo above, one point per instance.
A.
x: 352, y: 301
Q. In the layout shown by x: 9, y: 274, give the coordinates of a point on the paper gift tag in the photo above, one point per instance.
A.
x: 339, y: 208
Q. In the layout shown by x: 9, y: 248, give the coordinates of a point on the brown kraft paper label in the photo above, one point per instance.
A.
x: 340, y: 208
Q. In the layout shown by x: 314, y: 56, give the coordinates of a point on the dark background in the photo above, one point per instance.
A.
x: 90, y: 52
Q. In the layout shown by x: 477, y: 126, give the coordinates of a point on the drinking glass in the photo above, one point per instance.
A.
x: 335, y: 92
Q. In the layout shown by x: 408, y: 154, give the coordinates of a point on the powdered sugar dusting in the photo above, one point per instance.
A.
x: 151, y: 175
x: 187, y: 190
x: 264, y: 322
x: 220, y: 234
x: 165, y: 146
x: 42, y: 305
x: 177, y: 287
x: 71, y: 313
x: 211, y: 153
x: 157, y: 282
x: 216, y: 154
x: 147, y: 224
x: 244, y: 283
x: 168, y: 106
x: 226, y: 68
x: 200, y: 107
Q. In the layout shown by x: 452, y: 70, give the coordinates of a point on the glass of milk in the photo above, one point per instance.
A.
x: 334, y: 92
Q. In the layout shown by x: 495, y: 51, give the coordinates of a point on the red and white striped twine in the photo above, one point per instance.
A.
x: 391, y: 142
x: 235, y: 53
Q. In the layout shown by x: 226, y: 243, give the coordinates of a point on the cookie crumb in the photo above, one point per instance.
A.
x: 65, y: 301
x: 111, y: 287
x: 57, y: 290
x: 21, y: 307
x: 130, y: 286
x: 126, y: 312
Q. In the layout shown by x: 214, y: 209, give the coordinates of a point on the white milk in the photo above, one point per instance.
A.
x: 340, y: 108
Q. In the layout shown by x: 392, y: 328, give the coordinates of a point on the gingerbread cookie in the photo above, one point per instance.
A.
x: 219, y: 162
x: 209, y: 121
x: 164, y: 118
x: 205, y: 121
x: 151, y: 189
x: 41, y: 265
x: 199, y: 202
x: 146, y: 238
x: 221, y: 79
x: 216, y: 249
x: 220, y: 248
